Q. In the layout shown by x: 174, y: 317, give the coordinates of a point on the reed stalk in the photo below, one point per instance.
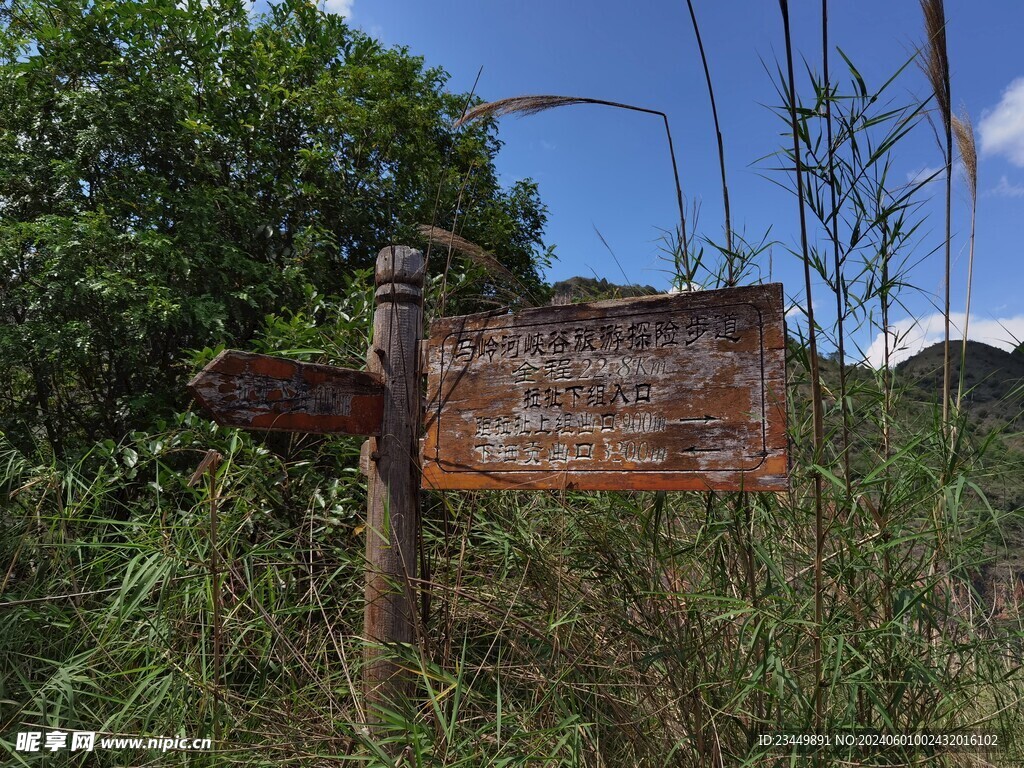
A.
x: 887, y: 402
x: 964, y: 132
x: 937, y: 69
x: 837, y: 261
x: 211, y: 461
x: 731, y: 276
x: 816, y: 405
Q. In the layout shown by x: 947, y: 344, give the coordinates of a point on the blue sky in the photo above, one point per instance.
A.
x: 608, y: 171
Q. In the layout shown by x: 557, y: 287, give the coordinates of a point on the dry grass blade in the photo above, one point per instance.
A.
x: 473, y: 252
x: 210, y: 462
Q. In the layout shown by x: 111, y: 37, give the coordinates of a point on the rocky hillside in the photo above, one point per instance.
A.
x: 577, y: 289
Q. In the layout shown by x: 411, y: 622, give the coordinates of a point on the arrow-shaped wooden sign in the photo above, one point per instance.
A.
x: 240, y: 389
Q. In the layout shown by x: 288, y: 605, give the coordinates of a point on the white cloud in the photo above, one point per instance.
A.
x: 908, y: 337
x: 1005, y: 189
x: 340, y: 7
x: 1002, y: 129
x: 925, y: 175
x: 797, y: 311
x: 685, y: 288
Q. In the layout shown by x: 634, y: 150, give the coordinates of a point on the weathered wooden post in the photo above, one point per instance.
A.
x: 393, y: 471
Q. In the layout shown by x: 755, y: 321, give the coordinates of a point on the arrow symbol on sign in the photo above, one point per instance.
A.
x: 705, y: 418
x: 695, y: 449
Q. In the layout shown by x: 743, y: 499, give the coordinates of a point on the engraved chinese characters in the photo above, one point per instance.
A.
x: 241, y: 389
x: 670, y: 392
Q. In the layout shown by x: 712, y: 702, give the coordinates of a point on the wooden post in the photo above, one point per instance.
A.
x: 393, y: 478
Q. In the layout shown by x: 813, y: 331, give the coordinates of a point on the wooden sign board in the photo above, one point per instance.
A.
x: 240, y: 389
x: 669, y: 392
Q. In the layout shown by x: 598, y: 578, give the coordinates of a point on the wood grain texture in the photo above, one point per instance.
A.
x: 671, y: 392
x: 241, y: 389
x: 393, y: 472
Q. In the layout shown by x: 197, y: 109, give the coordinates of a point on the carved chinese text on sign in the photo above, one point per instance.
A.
x: 683, y: 392
x: 241, y: 389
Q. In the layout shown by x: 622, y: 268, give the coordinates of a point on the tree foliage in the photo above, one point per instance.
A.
x: 172, y: 173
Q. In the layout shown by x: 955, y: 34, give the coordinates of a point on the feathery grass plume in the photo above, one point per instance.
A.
x: 936, y: 67
x: 532, y: 105
x: 442, y: 237
x: 963, y: 130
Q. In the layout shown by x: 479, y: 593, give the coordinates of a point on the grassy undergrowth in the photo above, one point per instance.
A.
x: 577, y: 629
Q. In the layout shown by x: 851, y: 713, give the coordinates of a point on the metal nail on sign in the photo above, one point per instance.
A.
x: 241, y: 389
x: 671, y: 392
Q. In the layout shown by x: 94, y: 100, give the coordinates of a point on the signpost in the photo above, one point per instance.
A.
x: 392, y: 506
x: 683, y: 392
x: 270, y: 393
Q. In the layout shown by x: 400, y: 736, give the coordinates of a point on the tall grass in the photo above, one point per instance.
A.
x: 825, y: 97
x: 964, y: 132
x: 817, y: 414
x: 936, y: 67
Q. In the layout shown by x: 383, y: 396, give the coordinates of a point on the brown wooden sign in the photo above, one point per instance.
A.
x: 240, y: 389
x: 670, y: 392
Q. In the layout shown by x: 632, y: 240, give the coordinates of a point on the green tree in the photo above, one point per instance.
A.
x: 169, y: 175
